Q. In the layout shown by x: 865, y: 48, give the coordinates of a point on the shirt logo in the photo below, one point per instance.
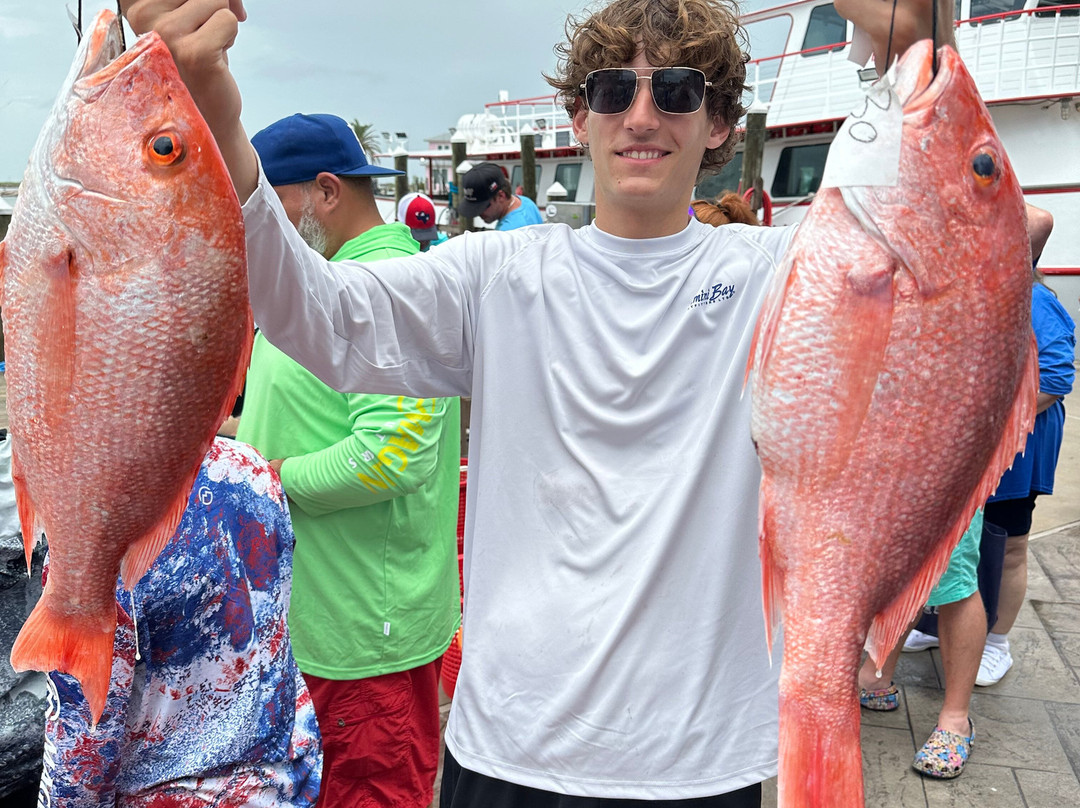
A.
x: 719, y: 291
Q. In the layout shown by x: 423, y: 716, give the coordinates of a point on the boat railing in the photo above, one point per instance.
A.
x: 1027, y: 53
x: 502, y: 123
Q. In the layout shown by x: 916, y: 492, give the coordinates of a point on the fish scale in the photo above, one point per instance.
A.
x: 894, y: 374
x: 134, y: 261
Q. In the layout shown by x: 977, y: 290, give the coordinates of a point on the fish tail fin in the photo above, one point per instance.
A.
x: 820, y: 752
x: 52, y: 641
x: 772, y: 580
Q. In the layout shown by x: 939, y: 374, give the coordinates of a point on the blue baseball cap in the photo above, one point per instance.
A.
x: 300, y: 147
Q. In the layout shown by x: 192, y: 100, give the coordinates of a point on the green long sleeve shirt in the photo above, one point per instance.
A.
x: 373, y: 485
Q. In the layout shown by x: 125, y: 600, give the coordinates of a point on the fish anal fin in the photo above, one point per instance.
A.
x: 893, y: 621
x: 79, y: 646
x: 141, y: 554
x: 772, y: 580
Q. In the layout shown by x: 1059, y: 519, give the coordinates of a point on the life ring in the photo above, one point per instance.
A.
x: 766, y: 205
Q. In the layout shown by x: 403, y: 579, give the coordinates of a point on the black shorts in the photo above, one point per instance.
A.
x: 1014, y: 515
x: 462, y: 788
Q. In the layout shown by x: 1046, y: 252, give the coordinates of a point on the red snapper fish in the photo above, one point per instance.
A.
x: 127, y: 330
x: 894, y: 379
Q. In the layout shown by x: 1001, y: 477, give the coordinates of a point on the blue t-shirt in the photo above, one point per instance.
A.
x: 1033, y: 469
x: 525, y: 213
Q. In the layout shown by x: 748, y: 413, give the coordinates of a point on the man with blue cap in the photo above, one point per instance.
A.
x: 373, y: 483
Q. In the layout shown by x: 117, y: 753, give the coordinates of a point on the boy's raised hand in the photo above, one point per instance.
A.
x: 199, y: 34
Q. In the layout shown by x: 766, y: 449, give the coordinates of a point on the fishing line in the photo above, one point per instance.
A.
x: 135, y: 625
x: 888, y: 48
x: 933, y: 45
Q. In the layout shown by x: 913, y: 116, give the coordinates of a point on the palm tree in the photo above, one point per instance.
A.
x: 368, y: 137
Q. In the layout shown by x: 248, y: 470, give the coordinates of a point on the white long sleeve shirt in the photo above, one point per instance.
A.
x: 614, y: 640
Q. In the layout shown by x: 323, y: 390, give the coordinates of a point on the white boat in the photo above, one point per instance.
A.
x: 1023, y: 54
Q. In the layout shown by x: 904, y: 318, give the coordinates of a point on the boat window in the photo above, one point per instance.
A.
x: 799, y: 170
x: 984, y: 8
x: 516, y: 177
x: 1050, y: 4
x: 826, y: 27
x: 715, y: 185
x: 567, y: 175
x: 562, y: 138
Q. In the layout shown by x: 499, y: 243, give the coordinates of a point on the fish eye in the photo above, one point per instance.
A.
x: 984, y: 168
x: 165, y: 148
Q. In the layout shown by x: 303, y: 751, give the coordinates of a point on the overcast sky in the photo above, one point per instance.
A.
x: 412, y: 67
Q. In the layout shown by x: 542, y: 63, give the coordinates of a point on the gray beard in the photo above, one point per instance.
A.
x: 311, y: 229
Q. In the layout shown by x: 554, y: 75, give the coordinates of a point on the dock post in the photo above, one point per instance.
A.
x: 401, y: 181
x: 753, y: 149
x: 528, y: 163
x: 458, y: 147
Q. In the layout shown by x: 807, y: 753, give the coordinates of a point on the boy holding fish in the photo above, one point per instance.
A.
x: 616, y: 652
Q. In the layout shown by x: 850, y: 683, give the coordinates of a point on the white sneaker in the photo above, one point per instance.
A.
x: 996, y: 662
x: 917, y: 641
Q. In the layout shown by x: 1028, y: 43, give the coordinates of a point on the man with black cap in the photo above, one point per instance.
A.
x: 486, y: 193
x: 373, y: 483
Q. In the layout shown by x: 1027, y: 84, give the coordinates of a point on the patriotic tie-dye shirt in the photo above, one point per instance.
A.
x: 213, y: 710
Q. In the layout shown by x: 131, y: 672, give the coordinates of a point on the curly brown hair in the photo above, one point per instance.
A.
x: 705, y: 34
x: 728, y: 209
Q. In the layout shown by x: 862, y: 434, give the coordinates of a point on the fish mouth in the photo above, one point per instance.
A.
x: 103, y: 43
x: 105, y: 55
x: 918, y: 82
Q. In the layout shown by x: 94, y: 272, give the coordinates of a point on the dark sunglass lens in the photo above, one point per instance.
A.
x: 610, y: 91
x: 678, y: 89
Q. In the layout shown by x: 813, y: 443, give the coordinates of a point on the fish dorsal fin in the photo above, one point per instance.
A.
x: 3, y: 254
x: 769, y: 318
x: 891, y: 623
x: 28, y: 519
x: 772, y: 580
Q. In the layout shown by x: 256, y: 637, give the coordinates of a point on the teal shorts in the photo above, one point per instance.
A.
x: 961, y: 578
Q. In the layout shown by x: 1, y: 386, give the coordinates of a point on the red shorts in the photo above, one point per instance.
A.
x: 380, y: 738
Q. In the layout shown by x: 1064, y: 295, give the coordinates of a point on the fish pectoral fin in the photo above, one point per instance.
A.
x: 861, y: 325
x: 83, y: 648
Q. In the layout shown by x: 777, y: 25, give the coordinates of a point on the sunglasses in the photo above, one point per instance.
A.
x: 675, y: 90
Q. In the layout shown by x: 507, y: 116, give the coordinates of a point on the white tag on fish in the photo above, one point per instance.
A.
x: 866, y: 150
x: 861, y: 47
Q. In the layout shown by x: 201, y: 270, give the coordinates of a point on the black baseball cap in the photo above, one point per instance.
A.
x: 478, y: 186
